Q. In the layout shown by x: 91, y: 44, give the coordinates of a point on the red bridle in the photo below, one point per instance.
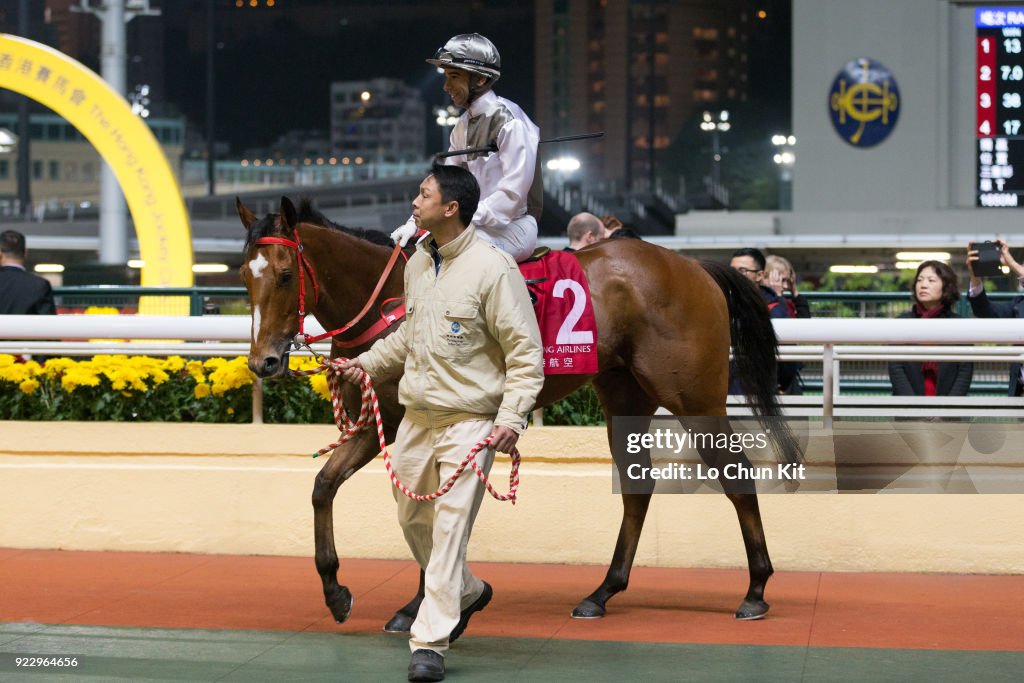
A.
x: 305, y: 267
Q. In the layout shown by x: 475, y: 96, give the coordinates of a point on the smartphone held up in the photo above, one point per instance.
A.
x: 988, y: 263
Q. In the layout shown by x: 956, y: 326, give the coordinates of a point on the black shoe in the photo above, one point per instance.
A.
x: 426, y: 665
x: 478, y: 604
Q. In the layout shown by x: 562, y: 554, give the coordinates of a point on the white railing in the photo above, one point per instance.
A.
x: 834, y: 341
x: 831, y: 341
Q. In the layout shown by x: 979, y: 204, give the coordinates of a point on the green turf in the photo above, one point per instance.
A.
x: 137, y: 654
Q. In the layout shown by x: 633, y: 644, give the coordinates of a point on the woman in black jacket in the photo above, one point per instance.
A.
x: 934, y: 293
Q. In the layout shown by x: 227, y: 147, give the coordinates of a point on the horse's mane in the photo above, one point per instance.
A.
x: 269, y: 226
x: 308, y: 214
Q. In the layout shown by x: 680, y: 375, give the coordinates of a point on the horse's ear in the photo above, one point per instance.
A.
x: 289, y: 217
x: 247, y: 216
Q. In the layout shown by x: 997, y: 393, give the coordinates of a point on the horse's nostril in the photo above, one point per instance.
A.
x: 270, y: 363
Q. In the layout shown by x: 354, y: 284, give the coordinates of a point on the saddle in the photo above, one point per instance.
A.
x: 561, y: 300
x: 537, y: 255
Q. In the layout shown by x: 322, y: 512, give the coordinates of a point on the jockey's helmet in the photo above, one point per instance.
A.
x: 470, y: 52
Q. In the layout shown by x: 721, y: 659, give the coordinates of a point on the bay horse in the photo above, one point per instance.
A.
x: 664, y: 324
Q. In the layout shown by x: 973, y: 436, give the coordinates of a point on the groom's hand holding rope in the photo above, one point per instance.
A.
x: 503, y: 439
x: 351, y: 370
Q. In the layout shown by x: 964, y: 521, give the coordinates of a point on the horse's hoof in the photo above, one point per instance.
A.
x: 340, y: 602
x: 751, y: 610
x: 588, y: 609
x: 400, y: 623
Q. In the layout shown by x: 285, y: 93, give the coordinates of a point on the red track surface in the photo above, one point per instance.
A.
x: 662, y: 605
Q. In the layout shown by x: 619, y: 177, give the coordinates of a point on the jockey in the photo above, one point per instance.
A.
x: 511, y: 194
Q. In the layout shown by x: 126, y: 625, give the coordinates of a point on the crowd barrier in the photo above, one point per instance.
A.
x: 834, y: 343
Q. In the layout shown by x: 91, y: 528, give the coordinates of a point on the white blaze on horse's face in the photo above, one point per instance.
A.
x: 255, y: 322
x: 257, y: 265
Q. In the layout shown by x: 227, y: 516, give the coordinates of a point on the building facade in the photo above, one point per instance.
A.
x: 380, y: 119
x: 64, y: 167
x: 637, y: 71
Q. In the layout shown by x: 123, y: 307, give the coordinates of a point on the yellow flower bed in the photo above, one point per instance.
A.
x: 121, y: 387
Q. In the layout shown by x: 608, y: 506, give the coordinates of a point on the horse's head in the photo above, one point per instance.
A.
x: 271, y: 273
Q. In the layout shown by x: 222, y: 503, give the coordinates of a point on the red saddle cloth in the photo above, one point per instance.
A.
x: 565, y: 313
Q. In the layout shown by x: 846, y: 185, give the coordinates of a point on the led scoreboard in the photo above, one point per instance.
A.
x: 1000, y: 110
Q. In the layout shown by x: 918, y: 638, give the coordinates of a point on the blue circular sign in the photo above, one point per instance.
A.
x: 864, y: 102
x: 456, y: 327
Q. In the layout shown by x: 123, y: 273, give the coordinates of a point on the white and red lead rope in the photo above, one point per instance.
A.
x: 369, y: 403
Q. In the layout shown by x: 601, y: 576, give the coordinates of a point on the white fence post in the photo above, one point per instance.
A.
x: 257, y: 401
x: 829, y: 385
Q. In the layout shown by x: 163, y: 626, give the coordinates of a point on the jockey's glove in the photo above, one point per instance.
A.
x: 404, y: 233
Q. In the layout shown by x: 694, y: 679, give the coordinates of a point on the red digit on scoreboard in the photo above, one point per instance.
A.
x: 986, y: 91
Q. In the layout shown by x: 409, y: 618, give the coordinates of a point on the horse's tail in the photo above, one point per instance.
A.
x: 755, y: 350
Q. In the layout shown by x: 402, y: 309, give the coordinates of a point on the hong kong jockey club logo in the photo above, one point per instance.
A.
x: 456, y: 327
x: 864, y: 102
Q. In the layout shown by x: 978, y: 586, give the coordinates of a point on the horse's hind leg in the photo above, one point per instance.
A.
x: 758, y: 562
x: 342, y: 464
x: 699, y: 400
x: 620, y: 395
x: 743, y: 495
x: 634, y: 511
x: 403, y: 619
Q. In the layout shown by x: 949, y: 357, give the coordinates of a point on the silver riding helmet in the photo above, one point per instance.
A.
x: 470, y: 52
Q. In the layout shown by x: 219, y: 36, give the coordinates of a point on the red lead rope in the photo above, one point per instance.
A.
x: 369, y: 404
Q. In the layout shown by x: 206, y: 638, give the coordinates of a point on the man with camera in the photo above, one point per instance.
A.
x: 983, y: 260
x: 751, y: 263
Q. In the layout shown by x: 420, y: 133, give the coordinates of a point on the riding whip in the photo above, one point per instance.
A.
x: 494, y: 146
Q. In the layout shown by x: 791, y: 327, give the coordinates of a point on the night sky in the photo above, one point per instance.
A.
x: 274, y: 66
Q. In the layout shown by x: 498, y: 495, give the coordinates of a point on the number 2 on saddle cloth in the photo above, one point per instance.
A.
x: 565, y: 313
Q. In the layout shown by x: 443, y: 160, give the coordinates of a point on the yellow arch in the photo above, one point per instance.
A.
x: 126, y: 143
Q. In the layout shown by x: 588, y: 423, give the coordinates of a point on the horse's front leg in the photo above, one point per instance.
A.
x: 345, y: 461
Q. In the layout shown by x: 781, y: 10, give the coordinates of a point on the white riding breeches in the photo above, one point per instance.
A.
x: 518, y: 238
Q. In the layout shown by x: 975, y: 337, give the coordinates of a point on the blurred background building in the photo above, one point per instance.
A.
x: 715, y: 114
x: 64, y: 168
x: 381, y: 119
x: 636, y: 70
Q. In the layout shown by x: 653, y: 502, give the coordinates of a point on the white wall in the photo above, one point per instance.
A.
x: 243, y: 489
x: 904, y: 171
x: 919, y: 180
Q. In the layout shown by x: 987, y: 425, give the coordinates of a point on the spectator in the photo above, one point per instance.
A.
x: 781, y: 279
x: 584, y: 229
x: 983, y: 308
x: 750, y: 262
x: 935, y: 293
x: 21, y: 292
x: 614, y: 229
